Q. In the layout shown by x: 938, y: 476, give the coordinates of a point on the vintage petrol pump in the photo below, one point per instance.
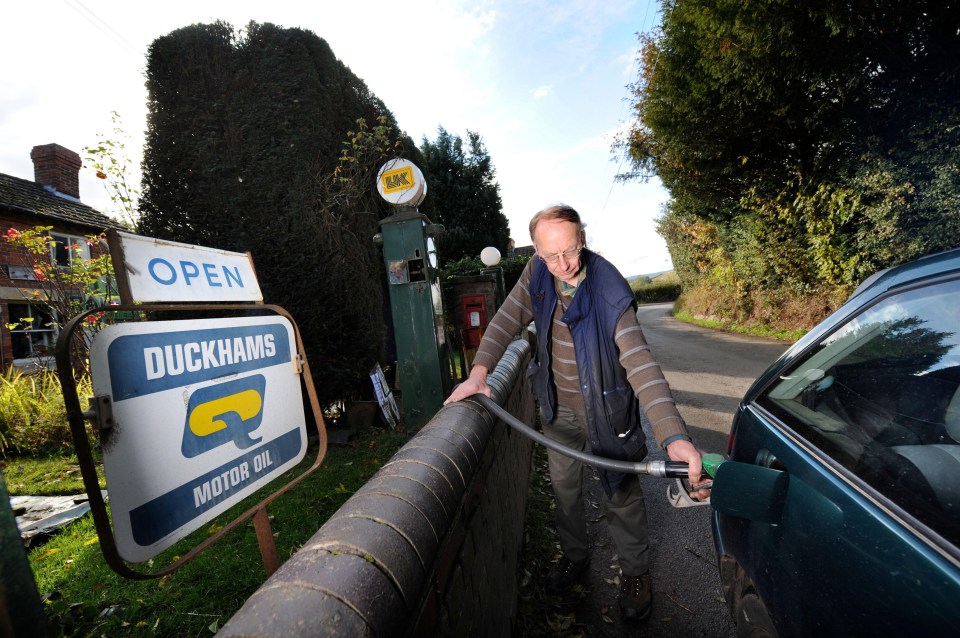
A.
x: 410, y: 256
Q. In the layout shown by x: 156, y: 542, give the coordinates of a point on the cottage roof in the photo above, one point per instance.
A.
x: 26, y: 197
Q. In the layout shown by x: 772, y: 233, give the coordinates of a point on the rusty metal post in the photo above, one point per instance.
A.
x: 268, y: 548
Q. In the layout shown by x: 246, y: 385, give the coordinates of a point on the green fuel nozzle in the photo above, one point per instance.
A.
x: 679, y: 469
x: 711, y: 462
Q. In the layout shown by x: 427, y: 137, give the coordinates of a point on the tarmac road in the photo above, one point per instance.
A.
x: 708, y: 371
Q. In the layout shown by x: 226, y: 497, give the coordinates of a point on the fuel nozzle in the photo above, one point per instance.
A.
x: 678, y: 493
x: 679, y: 469
x: 711, y: 462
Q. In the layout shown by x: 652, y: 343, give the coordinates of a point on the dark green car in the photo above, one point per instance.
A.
x: 838, y: 513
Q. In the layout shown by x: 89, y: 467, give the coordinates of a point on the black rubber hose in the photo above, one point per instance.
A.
x: 666, y: 469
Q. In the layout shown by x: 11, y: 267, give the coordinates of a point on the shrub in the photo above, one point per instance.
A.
x: 33, y: 417
x: 512, y: 269
x: 657, y: 292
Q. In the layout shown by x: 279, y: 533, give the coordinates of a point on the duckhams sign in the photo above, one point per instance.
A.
x: 205, y: 412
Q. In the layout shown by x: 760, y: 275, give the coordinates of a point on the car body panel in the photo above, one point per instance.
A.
x: 832, y: 563
x: 827, y: 554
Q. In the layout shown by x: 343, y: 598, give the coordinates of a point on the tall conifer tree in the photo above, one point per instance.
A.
x: 245, y: 131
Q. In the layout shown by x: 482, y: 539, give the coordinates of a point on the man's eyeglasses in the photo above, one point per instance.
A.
x: 568, y: 255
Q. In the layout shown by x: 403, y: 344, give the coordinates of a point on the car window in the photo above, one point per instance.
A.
x: 880, y: 396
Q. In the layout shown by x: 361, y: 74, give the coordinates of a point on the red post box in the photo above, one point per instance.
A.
x: 474, y: 319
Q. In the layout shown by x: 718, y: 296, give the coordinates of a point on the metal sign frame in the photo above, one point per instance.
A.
x: 77, y: 417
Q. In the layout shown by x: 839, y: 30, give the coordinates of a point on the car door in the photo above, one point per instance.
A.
x: 841, y: 501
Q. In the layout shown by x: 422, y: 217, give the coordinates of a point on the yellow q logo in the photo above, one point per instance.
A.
x: 207, y: 418
x: 224, y: 412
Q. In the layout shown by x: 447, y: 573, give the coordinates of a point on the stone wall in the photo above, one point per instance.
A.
x: 428, y: 547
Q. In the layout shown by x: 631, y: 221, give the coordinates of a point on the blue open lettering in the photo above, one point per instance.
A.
x: 235, y: 276
x: 212, y: 276
x: 190, y: 271
x: 163, y: 272
x: 152, y: 267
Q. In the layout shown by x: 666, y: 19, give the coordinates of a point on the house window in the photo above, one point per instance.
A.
x: 64, y: 249
x: 33, y: 331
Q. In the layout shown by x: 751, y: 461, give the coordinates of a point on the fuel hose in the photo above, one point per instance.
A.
x: 664, y: 469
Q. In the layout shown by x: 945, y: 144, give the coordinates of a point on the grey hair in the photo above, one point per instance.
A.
x: 561, y: 212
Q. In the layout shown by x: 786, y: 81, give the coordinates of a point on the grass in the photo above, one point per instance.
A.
x: 43, y: 476
x: 747, y: 329
x: 85, y: 597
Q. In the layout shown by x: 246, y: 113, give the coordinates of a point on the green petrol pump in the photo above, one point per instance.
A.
x: 410, y: 257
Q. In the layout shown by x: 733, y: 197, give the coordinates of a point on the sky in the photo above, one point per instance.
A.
x: 543, y: 82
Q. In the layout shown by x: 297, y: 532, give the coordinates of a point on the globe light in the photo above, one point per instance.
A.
x: 490, y: 256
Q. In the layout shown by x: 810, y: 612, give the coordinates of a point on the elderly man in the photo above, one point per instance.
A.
x: 591, y: 372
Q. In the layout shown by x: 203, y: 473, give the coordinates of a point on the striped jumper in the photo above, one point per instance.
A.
x: 643, y: 371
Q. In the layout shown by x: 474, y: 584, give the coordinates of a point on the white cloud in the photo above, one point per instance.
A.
x: 542, y: 91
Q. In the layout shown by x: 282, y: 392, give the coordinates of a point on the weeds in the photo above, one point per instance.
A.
x: 33, y: 418
x: 758, y: 330
x: 540, y: 546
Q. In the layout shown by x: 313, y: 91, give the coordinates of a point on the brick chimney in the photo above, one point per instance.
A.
x: 56, y: 166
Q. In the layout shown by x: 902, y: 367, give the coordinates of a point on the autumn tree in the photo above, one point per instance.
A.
x: 821, y: 141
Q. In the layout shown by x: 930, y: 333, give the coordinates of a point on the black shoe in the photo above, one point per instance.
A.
x: 565, y: 573
x: 635, y: 597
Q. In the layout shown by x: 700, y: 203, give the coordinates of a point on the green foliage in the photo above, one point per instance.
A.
x: 465, y: 196
x: 759, y: 330
x: 804, y: 147
x: 111, y: 162
x: 33, y: 417
x: 66, y: 290
x: 84, y: 597
x: 263, y: 141
x: 462, y: 267
x: 656, y: 292
x: 512, y: 269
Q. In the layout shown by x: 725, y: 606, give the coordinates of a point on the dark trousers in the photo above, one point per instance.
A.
x: 625, y: 512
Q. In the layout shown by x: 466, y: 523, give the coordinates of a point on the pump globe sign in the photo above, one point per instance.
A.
x: 205, y: 412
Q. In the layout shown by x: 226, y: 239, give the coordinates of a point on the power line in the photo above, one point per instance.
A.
x: 102, y: 26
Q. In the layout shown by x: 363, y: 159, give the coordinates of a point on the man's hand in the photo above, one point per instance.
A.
x: 476, y: 383
x: 683, y: 450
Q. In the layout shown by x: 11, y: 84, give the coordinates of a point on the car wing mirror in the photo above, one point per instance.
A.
x: 749, y: 491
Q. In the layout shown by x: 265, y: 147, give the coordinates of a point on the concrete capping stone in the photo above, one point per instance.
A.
x: 409, y: 490
x: 379, y: 544
x: 466, y: 460
x: 269, y: 616
x: 437, y: 460
x: 427, y: 476
x: 402, y: 516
